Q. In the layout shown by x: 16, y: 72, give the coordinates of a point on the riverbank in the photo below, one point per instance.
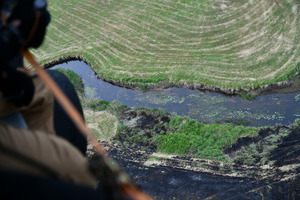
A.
x: 265, y: 166
x: 292, y: 85
x: 205, y: 106
x: 261, y: 166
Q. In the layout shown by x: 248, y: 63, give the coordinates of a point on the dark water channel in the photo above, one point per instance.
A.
x: 210, y: 107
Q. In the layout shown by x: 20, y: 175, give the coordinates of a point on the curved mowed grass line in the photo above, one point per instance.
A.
x: 232, y: 44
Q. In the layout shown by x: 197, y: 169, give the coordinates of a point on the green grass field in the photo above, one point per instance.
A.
x: 232, y: 44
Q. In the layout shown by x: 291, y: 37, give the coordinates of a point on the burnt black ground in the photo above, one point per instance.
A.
x: 288, y: 151
x: 173, y: 183
x: 268, y: 166
x: 280, y: 180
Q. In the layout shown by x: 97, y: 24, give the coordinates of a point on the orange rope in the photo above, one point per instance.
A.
x: 78, y: 120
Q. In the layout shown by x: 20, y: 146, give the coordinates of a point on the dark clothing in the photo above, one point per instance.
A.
x: 24, y: 186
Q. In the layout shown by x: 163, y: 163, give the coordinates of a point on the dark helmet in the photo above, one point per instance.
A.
x: 23, y: 24
x: 34, y: 18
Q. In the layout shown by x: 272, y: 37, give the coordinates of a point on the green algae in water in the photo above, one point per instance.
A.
x: 276, y: 100
x: 297, y: 115
x: 209, y: 115
x: 239, y: 113
x: 274, y: 116
x: 297, y: 98
x: 215, y: 113
x: 202, y: 106
x: 162, y: 99
x: 201, y: 99
x: 90, y: 92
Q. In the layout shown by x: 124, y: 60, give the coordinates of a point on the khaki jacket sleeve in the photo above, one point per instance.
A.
x: 49, y: 150
x: 39, y: 113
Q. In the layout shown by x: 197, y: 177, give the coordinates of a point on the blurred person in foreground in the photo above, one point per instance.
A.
x: 35, y: 163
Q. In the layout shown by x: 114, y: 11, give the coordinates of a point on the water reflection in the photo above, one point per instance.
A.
x: 208, y: 107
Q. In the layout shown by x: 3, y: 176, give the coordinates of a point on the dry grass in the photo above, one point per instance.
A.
x: 102, y: 124
x: 236, y: 43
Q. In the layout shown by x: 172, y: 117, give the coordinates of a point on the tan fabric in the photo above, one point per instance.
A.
x: 6, y: 107
x: 41, y: 108
x: 50, y: 150
x: 39, y: 113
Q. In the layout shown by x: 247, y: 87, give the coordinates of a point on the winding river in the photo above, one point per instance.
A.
x: 208, y: 107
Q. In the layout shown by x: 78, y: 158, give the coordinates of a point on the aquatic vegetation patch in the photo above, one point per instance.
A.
x: 297, y: 98
x: 255, y: 116
x: 214, y: 112
x: 270, y: 116
x: 297, y: 115
x: 162, y: 99
x: 90, y: 93
x: 206, y: 108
